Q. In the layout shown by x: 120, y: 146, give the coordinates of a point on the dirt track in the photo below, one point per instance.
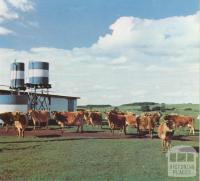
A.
x: 103, y: 134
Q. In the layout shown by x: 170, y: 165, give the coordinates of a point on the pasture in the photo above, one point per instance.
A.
x: 95, y: 155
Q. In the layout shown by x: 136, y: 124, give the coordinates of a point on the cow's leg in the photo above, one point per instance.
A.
x: 47, y: 124
x: 77, y: 129
x: 124, y: 127
x: 6, y: 128
x: 151, y: 133
x: 23, y: 133
x: 190, y: 130
x: 165, y: 145
x: 34, y: 124
x: 162, y: 144
x: 62, y: 127
x: 81, y: 128
x: 120, y: 131
x: 62, y: 131
x: 138, y: 130
x: 193, y: 130
x: 19, y: 132
x: 169, y: 144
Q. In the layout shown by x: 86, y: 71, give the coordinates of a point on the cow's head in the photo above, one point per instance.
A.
x: 16, y: 115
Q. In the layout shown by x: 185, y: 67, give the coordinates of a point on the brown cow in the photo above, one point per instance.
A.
x: 154, y: 116
x: 93, y: 118
x: 21, y: 122
x: 39, y: 117
x: 165, y: 133
x: 70, y: 119
x: 148, y: 121
x: 116, y: 121
x: 144, y: 123
x: 7, y: 119
x: 131, y: 120
x: 182, y: 121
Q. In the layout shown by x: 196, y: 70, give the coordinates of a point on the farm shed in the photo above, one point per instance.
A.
x: 56, y: 102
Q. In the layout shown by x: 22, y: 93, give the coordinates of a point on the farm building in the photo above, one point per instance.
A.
x: 47, y: 101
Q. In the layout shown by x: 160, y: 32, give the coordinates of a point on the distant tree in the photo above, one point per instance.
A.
x: 188, y: 109
x: 163, y: 107
x: 145, y: 108
x: 116, y: 109
x: 156, y: 108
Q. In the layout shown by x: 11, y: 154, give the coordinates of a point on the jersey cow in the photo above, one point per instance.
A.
x: 165, y: 133
x: 131, y: 120
x: 39, y: 117
x: 148, y: 121
x: 7, y: 119
x: 70, y: 119
x: 182, y: 121
x: 93, y: 118
x: 21, y: 122
x: 116, y: 121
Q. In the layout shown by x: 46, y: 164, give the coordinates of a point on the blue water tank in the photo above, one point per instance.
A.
x: 17, y: 75
x: 39, y: 73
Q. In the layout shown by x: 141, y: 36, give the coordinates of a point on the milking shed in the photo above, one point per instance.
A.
x: 47, y: 101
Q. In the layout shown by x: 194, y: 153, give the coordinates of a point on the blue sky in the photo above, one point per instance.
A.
x: 107, y: 51
x: 79, y: 23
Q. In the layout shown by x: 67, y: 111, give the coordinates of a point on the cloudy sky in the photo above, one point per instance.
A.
x: 107, y: 52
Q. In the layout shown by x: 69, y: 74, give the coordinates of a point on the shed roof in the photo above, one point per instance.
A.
x: 2, y: 91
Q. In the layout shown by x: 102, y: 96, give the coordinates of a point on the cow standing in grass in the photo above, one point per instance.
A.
x: 7, y: 119
x: 93, y: 118
x: 21, y: 122
x: 148, y: 121
x: 116, y: 121
x: 131, y: 120
x: 165, y: 133
x: 39, y: 117
x: 70, y: 119
x: 182, y: 121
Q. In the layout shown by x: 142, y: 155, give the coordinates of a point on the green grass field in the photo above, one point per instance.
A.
x: 90, y: 159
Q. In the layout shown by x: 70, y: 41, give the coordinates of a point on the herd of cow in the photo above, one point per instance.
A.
x: 117, y: 120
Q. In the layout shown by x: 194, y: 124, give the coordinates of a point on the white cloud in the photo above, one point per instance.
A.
x: 5, y: 12
x: 5, y: 31
x: 10, y: 10
x: 23, y: 5
x: 140, y: 60
x: 120, y: 60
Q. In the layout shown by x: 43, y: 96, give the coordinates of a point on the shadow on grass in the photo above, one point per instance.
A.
x: 20, y: 148
x: 78, y: 137
x: 93, y: 131
x: 108, y: 136
x: 49, y: 136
